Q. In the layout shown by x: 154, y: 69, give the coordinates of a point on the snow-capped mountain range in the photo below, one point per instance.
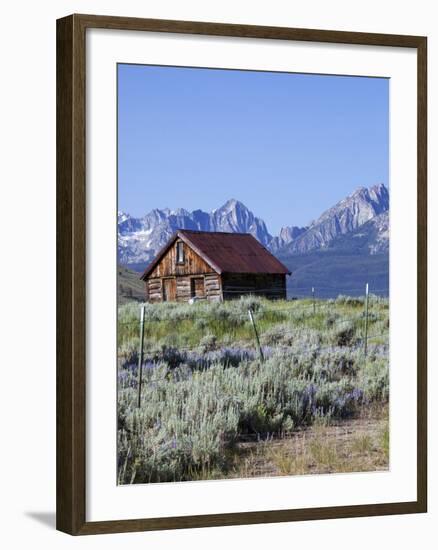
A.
x: 140, y: 238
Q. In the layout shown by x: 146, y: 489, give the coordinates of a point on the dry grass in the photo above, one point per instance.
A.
x: 355, y: 445
x: 206, y: 396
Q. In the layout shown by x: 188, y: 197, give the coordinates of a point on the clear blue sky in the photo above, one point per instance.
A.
x: 287, y: 145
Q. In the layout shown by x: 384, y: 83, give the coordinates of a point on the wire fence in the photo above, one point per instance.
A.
x: 317, y: 305
x: 305, y: 290
x: 289, y: 332
x: 286, y: 312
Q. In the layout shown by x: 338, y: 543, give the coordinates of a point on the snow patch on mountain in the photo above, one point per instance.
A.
x: 139, y: 239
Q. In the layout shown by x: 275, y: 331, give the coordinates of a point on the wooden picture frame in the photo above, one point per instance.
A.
x: 71, y: 273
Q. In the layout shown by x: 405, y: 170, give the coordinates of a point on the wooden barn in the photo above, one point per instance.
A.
x: 213, y: 266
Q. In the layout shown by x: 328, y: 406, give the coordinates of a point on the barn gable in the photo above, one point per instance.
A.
x: 167, y: 265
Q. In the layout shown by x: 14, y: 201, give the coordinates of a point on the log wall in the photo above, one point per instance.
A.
x: 184, y: 289
x: 270, y: 286
x: 154, y: 291
x: 213, y: 287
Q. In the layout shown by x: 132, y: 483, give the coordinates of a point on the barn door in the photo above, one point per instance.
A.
x: 197, y: 289
x: 169, y: 290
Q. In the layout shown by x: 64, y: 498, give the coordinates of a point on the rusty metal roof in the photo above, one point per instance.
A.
x: 226, y: 252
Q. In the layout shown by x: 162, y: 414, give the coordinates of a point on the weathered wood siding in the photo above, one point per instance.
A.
x: 183, y: 289
x: 238, y: 284
x: 210, y: 290
x: 169, y: 289
x: 207, y: 285
x: 168, y: 267
x: 213, y: 287
x: 154, y: 290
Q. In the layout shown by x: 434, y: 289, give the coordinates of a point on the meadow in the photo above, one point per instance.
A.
x: 214, y: 406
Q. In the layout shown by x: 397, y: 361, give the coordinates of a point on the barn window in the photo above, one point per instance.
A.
x: 180, y: 252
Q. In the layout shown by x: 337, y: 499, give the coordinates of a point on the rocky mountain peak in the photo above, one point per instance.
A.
x: 140, y: 238
x: 232, y: 204
x: 287, y: 235
x: 379, y: 194
x: 235, y: 217
x: 347, y: 215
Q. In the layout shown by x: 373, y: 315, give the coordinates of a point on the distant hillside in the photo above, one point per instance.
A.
x: 333, y: 272
x: 130, y: 287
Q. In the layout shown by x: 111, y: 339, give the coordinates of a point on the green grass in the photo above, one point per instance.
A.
x: 186, y: 325
x: 206, y: 390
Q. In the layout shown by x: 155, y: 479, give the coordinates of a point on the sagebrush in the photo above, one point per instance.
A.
x: 205, y: 387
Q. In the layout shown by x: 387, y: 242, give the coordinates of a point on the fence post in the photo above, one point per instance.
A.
x: 366, y: 321
x: 140, y: 355
x: 256, y: 333
x: 313, y: 299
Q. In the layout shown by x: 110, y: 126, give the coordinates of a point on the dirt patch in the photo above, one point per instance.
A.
x: 354, y: 445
